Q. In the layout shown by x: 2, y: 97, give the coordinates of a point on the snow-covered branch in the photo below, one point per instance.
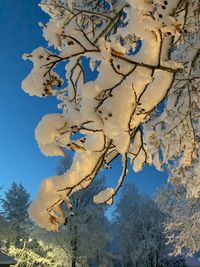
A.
x: 126, y: 47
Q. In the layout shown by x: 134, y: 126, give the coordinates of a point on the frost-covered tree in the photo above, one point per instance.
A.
x: 122, y: 58
x: 182, y: 225
x: 139, y: 229
x: 15, y: 210
x: 175, y: 131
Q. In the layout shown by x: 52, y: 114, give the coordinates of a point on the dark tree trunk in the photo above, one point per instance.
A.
x: 97, y: 258
x: 74, y: 239
x: 74, y: 247
x: 74, y: 256
x: 157, y: 258
x: 73, y: 262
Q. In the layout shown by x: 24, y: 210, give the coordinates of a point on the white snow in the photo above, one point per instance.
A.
x: 104, y: 195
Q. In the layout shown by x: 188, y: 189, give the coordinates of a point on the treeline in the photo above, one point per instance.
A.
x: 131, y: 237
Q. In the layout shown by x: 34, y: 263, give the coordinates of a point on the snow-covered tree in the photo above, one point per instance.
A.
x: 176, y: 130
x: 15, y: 211
x: 182, y: 225
x: 121, y: 60
x: 139, y: 229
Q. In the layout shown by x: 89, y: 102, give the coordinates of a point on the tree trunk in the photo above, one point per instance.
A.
x: 73, y: 262
x: 74, y: 256
x: 74, y: 247
x: 156, y: 259
x: 97, y: 258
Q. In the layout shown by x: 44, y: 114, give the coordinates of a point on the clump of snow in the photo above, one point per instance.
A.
x: 41, y: 79
x: 47, y: 133
x: 52, y: 33
x: 104, y: 196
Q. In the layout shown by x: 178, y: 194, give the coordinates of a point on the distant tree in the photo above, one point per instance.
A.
x: 15, y: 204
x: 182, y: 227
x: 139, y: 229
x: 15, y: 210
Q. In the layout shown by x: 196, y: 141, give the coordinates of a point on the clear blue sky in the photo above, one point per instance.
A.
x: 20, y: 158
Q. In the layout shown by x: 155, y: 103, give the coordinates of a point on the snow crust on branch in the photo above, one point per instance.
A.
x: 128, y: 46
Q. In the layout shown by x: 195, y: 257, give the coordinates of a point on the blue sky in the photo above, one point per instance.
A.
x: 20, y: 158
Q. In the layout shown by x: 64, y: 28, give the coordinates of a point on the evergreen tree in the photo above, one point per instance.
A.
x: 15, y: 205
